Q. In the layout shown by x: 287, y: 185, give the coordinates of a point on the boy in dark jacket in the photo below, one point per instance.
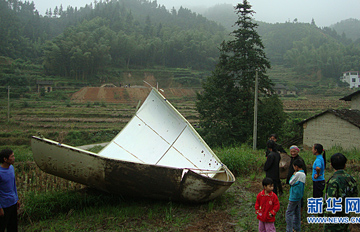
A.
x: 272, y: 164
x: 278, y: 147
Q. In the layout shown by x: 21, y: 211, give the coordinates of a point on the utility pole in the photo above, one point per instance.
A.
x: 8, y: 113
x: 255, y: 110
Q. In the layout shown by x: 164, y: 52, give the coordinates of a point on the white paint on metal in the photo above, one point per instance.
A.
x: 158, y: 134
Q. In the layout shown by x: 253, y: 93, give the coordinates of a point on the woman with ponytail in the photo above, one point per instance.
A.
x: 318, y: 170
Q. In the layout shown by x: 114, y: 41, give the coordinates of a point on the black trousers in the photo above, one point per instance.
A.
x: 318, y: 188
x: 9, y: 220
x: 277, y: 185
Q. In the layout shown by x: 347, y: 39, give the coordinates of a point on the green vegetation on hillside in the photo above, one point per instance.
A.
x: 89, y: 42
x: 125, y: 33
x: 349, y: 28
x: 311, y: 51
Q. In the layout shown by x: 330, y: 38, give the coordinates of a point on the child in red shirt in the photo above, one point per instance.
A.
x: 266, y: 206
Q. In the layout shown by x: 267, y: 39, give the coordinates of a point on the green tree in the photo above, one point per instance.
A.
x: 226, y: 104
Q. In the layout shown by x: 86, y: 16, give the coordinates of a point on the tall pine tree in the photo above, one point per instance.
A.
x: 226, y: 104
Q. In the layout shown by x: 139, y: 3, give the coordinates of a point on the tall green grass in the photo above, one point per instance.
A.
x: 67, y: 210
x: 241, y: 160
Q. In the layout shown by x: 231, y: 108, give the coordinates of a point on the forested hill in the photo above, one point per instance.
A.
x: 122, y: 33
x: 349, y: 27
x: 311, y: 51
x: 136, y: 34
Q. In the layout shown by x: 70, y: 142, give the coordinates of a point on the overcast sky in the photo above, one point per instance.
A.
x: 324, y: 12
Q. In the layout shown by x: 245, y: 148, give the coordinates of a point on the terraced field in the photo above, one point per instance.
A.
x: 314, y: 105
x: 75, y: 122
x: 95, y: 115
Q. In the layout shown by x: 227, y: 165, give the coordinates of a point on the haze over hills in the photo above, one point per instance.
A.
x: 325, y: 12
x: 350, y: 27
x: 269, y: 12
x: 224, y: 14
x: 99, y: 41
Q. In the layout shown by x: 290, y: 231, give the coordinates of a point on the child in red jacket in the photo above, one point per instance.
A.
x: 266, y: 206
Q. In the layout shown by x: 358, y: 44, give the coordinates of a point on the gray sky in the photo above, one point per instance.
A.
x: 324, y: 12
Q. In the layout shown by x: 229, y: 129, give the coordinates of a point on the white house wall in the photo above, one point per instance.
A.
x: 348, y: 77
x: 330, y: 130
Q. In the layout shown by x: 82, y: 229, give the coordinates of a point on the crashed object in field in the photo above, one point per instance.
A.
x: 158, y: 155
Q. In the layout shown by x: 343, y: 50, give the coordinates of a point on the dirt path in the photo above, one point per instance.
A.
x: 126, y: 95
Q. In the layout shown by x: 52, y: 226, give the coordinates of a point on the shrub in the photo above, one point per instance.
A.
x: 241, y: 160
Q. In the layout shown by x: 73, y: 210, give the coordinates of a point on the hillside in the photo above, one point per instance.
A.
x: 349, y: 28
x: 100, y: 42
x: 123, y: 34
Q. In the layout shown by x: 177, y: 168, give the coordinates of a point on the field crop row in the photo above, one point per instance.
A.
x: 314, y: 105
x: 29, y: 178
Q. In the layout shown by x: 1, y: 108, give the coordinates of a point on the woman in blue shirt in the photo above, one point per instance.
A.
x: 318, y: 170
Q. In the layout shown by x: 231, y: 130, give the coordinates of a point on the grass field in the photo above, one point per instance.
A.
x: 50, y: 203
x: 54, y: 204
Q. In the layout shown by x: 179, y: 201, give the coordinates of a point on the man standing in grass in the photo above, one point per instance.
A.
x: 343, y: 185
x: 9, y: 200
x: 271, y: 166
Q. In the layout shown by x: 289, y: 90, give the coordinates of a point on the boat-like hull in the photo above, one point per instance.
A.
x: 158, y: 154
x: 129, y: 178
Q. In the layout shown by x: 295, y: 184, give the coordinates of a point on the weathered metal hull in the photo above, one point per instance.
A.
x: 128, y: 178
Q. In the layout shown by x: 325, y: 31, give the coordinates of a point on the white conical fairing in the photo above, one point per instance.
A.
x: 158, y: 134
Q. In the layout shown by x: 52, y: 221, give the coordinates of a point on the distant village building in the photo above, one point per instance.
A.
x: 354, y: 99
x: 352, y: 78
x: 281, y: 89
x: 335, y: 127
x: 47, y: 85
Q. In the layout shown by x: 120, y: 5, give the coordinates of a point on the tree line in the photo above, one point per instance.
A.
x: 125, y: 33
x: 83, y: 42
x: 310, y: 50
x: 305, y: 47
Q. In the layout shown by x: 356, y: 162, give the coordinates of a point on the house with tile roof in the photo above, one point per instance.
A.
x: 332, y: 128
x: 354, y: 99
x: 281, y: 89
